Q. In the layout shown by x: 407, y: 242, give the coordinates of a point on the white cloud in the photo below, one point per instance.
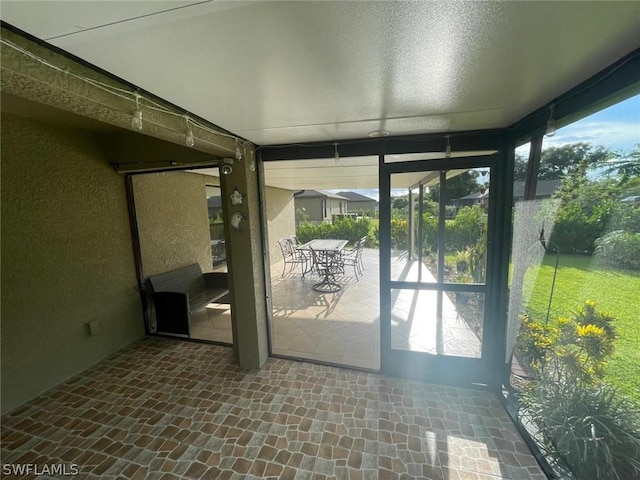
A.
x: 616, y: 136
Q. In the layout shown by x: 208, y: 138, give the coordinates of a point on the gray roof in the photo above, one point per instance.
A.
x: 318, y: 194
x: 475, y: 196
x: 356, y: 197
x: 544, y: 188
x: 214, y: 202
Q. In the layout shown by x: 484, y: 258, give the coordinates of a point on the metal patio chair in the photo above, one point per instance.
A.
x: 353, y: 257
x: 293, y: 256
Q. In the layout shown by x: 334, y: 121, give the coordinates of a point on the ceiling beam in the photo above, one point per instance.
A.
x: 40, y: 73
x: 460, y: 141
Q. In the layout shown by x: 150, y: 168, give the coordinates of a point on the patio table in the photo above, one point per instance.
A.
x: 326, y: 259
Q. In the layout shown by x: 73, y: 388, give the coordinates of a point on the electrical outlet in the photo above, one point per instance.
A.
x: 95, y: 327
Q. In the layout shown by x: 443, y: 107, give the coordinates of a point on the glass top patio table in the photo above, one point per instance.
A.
x: 325, y: 244
x: 326, y: 261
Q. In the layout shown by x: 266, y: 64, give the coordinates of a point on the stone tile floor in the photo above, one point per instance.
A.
x: 167, y: 409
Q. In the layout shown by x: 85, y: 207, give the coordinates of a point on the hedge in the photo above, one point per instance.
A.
x: 347, y: 229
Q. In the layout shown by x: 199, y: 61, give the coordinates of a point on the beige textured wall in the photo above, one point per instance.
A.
x: 281, y: 220
x: 66, y: 258
x: 245, y: 256
x: 173, y: 221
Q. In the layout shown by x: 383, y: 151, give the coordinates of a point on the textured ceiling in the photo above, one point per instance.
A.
x: 290, y: 72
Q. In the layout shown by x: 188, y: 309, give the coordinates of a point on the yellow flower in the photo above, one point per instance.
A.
x: 590, y: 303
x: 590, y: 331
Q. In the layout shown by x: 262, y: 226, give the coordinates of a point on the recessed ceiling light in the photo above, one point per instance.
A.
x: 378, y: 133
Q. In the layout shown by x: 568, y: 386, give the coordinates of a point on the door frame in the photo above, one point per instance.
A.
x: 449, y: 370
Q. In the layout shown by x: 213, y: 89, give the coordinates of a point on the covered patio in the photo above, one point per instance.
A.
x: 96, y: 95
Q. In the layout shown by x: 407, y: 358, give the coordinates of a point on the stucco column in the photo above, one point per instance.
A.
x: 246, y: 262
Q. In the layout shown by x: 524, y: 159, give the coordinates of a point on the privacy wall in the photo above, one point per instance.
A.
x: 280, y: 219
x: 66, y: 258
x: 173, y: 221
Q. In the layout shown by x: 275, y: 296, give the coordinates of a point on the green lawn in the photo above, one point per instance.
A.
x: 615, y: 291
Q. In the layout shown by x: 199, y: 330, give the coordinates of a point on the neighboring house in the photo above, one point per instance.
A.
x: 320, y: 205
x: 214, y: 205
x: 481, y: 198
x: 358, y: 202
x: 544, y: 189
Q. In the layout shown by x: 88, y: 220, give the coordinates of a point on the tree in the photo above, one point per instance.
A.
x: 520, y: 168
x: 458, y: 186
x: 558, y: 162
x: 400, y: 203
x: 580, y: 213
x: 626, y: 166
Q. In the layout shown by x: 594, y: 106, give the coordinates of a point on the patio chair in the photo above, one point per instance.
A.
x: 327, y: 264
x: 353, y: 257
x: 218, y: 253
x: 293, y: 256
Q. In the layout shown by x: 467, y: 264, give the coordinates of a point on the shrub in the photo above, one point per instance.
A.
x: 399, y: 234
x: 619, y: 249
x: 593, y: 430
x: 575, y: 231
x: 583, y: 212
x: 350, y: 229
x: 625, y: 216
x: 465, y: 230
x: 347, y: 229
x: 462, y: 232
x: 307, y: 231
x: 430, y: 233
x: 583, y: 421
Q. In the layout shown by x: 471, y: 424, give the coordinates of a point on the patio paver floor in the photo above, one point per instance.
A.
x: 169, y: 409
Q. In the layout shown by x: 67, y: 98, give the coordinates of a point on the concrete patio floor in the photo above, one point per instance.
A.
x: 343, y: 328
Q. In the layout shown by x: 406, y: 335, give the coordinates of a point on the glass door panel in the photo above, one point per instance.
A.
x: 436, y: 322
x: 433, y: 313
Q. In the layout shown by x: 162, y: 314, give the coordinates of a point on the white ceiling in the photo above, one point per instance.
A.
x: 290, y: 72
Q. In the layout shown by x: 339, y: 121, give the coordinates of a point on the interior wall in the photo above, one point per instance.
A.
x: 66, y: 258
x: 173, y: 221
x: 281, y: 221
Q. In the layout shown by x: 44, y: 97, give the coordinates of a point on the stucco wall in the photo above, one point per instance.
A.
x: 281, y: 220
x: 312, y: 207
x: 66, y: 258
x: 173, y: 221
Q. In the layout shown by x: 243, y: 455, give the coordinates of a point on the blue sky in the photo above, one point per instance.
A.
x: 616, y: 128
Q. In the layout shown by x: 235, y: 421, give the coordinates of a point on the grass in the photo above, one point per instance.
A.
x: 580, y: 279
